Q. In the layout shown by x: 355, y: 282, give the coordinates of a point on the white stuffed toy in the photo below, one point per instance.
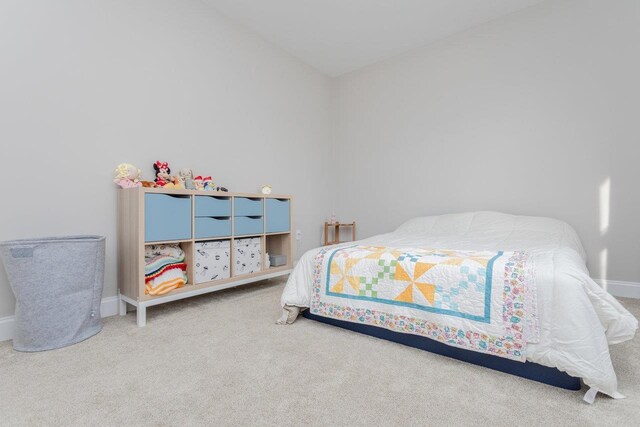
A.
x: 127, y: 176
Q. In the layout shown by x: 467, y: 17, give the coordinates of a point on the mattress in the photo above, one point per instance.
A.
x: 576, y: 320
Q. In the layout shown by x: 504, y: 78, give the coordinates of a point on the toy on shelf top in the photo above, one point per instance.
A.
x: 127, y: 176
x: 174, y: 182
x: 203, y: 183
x: 186, y: 175
x: 198, y: 183
x: 207, y: 182
x: 162, y: 173
x: 165, y: 179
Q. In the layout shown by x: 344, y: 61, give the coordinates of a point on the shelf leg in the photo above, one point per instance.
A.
x: 122, y: 306
x: 141, y: 315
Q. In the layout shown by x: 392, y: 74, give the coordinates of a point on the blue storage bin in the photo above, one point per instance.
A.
x: 244, y: 225
x: 213, y: 206
x: 244, y: 206
x: 277, y: 215
x: 207, y: 227
x: 166, y: 217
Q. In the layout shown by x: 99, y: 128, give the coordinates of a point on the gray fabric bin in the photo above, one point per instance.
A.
x: 58, y: 284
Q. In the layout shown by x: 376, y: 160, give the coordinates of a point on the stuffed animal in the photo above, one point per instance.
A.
x: 198, y: 183
x: 163, y: 173
x: 127, y: 176
x: 207, y: 183
x: 148, y: 184
x: 187, y: 178
x: 175, y: 183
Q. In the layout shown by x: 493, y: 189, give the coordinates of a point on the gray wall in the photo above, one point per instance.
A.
x: 530, y: 114
x: 86, y: 85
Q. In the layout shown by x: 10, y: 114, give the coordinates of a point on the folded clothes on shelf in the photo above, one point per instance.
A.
x: 171, y: 249
x: 165, y: 269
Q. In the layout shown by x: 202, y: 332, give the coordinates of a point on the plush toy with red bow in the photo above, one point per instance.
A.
x: 198, y: 182
x: 207, y: 183
x: 163, y: 173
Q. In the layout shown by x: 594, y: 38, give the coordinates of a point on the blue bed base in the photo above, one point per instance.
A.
x: 529, y: 370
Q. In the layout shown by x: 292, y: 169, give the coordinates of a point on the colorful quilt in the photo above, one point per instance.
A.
x: 478, y: 300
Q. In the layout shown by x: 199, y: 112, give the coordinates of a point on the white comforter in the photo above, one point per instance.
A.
x: 577, y: 318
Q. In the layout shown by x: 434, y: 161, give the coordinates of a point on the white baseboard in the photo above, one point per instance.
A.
x: 619, y: 288
x: 108, y: 307
x: 6, y: 328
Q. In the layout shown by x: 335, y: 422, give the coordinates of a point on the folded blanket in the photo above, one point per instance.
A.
x: 166, y: 282
x: 173, y: 250
x: 158, y: 273
x: 159, y: 263
x: 165, y: 269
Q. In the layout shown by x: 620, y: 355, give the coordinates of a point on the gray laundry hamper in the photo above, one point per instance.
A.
x: 57, y: 283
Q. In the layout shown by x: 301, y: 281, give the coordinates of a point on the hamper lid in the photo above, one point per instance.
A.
x: 55, y: 239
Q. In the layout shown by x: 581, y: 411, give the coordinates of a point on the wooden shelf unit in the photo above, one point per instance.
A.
x: 336, y: 232
x: 133, y: 236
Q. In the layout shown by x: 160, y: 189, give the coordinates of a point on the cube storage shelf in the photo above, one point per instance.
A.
x: 215, y: 229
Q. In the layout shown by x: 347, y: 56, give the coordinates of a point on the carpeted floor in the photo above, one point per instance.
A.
x: 219, y: 359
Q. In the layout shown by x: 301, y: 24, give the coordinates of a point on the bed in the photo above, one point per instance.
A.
x: 509, y: 292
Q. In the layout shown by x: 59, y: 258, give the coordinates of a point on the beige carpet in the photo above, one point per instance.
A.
x: 219, y: 359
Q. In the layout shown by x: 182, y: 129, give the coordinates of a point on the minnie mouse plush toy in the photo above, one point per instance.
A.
x: 163, y: 173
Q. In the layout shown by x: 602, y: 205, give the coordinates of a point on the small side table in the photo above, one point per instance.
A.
x: 336, y: 232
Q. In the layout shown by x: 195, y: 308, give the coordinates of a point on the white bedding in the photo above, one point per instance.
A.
x: 577, y: 318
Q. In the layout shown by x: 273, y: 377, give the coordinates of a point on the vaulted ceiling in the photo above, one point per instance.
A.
x: 338, y: 36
